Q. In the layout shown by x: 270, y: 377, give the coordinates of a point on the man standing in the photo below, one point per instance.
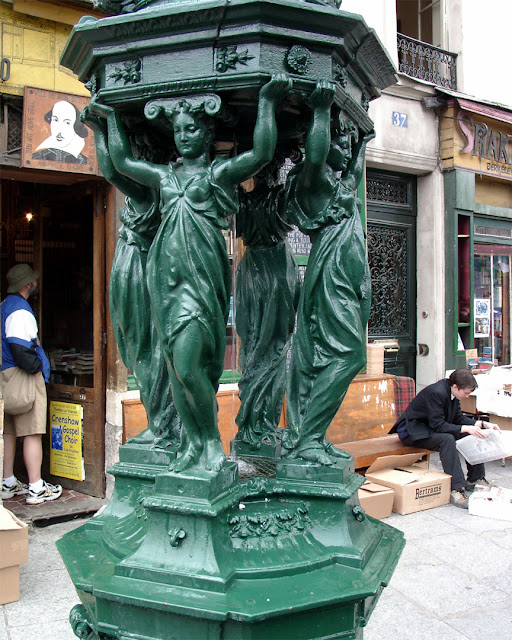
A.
x: 434, y: 420
x: 21, y: 349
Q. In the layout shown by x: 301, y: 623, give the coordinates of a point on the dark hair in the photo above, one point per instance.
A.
x: 79, y: 127
x: 463, y: 378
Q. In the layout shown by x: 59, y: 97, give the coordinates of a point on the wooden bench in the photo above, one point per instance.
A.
x: 135, y: 419
x: 360, y: 427
x: 365, y: 418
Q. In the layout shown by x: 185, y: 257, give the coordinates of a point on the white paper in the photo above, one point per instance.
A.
x: 482, y: 317
x: 477, y: 450
x: 495, y: 503
x: 490, y: 396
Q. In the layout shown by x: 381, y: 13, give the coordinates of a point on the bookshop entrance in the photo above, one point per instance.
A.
x: 59, y: 229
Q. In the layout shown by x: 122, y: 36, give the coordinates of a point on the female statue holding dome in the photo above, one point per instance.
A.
x: 188, y: 270
x: 329, y: 346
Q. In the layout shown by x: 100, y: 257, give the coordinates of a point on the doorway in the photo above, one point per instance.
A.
x: 64, y: 239
x: 391, y: 233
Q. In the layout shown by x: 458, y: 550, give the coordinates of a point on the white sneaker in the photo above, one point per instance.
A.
x: 47, y: 493
x: 17, y: 489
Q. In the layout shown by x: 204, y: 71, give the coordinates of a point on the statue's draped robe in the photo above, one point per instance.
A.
x: 189, y: 274
x: 267, y: 290
x: 129, y: 308
x: 328, y: 348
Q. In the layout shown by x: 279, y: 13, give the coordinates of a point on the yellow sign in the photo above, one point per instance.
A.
x: 476, y: 142
x: 66, y: 444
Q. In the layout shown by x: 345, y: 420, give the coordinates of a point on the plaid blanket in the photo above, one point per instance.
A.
x: 405, y: 390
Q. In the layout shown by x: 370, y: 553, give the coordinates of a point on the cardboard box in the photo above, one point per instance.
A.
x: 376, y: 500
x: 468, y: 405
x: 10, y: 584
x: 416, y: 486
x: 13, y: 552
x: 494, y: 503
x: 502, y: 422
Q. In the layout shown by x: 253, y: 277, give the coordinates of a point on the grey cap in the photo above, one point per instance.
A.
x: 20, y: 275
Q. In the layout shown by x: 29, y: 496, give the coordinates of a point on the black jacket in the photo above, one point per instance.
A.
x: 433, y: 410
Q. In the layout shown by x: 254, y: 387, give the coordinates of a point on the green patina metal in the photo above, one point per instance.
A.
x: 267, y: 292
x: 329, y: 346
x: 138, y: 342
x: 272, y: 544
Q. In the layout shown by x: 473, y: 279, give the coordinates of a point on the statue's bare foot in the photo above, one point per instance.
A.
x: 164, y: 442
x: 335, y: 452
x: 144, y: 437
x: 312, y: 452
x: 182, y: 462
x: 185, y: 459
x: 316, y: 455
x: 214, y: 456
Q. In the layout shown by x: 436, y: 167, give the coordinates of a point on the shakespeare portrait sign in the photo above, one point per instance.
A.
x: 53, y: 136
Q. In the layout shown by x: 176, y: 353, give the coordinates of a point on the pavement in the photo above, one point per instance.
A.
x: 453, y: 580
x: 72, y: 504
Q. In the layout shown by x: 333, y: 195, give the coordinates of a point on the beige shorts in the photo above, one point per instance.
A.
x: 33, y: 421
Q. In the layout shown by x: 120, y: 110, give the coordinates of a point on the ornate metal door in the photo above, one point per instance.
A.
x: 391, y: 228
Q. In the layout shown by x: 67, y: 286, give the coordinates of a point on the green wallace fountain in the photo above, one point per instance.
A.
x: 190, y: 99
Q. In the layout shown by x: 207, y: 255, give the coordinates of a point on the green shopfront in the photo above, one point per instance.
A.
x: 476, y: 143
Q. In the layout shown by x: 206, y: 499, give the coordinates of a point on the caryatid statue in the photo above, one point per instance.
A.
x: 328, y: 349
x: 188, y: 270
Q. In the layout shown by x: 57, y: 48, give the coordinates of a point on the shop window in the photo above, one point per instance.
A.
x: 231, y: 357
x: 464, y: 283
x: 492, y: 302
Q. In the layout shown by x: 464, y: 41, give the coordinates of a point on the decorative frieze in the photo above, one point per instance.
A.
x: 228, y: 57
x: 269, y: 524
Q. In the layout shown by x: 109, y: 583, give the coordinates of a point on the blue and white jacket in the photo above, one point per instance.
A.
x: 20, y: 344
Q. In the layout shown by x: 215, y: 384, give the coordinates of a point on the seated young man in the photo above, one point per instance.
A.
x: 434, y: 420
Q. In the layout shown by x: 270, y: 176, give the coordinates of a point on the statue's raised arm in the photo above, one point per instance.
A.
x: 315, y: 180
x: 245, y: 165
x: 120, y: 152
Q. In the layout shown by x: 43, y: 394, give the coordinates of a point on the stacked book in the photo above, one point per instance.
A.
x: 72, y: 361
x: 61, y: 360
x: 83, y: 363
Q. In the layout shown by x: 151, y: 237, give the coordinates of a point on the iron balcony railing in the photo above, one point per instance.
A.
x: 425, y: 62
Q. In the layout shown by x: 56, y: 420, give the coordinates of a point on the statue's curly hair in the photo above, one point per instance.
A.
x: 120, y: 6
x: 342, y: 125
